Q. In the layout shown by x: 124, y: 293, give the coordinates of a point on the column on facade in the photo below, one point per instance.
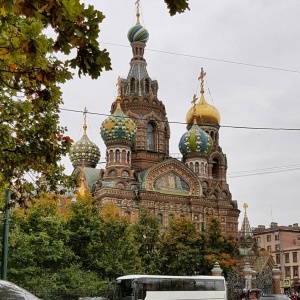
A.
x: 247, y: 271
x: 276, y: 272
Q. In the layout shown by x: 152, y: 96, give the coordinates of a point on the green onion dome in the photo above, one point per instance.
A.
x: 118, y: 127
x: 195, y: 140
x: 138, y: 33
x: 84, y: 152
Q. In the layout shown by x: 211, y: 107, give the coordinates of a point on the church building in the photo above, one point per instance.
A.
x: 139, y: 170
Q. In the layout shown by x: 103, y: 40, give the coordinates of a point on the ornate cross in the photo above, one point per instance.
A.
x: 137, y: 3
x: 201, y: 78
x: 84, y: 120
x: 245, y: 206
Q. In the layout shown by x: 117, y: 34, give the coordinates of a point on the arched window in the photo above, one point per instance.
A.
x: 215, y: 168
x: 117, y: 155
x: 197, y: 168
x: 202, y: 168
x: 132, y: 85
x: 128, y: 157
x: 150, y: 137
x: 147, y: 86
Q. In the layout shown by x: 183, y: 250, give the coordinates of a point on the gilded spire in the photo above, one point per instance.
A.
x: 119, y: 92
x: 84, y: 121
x: 137, y: 3
x: 245, y: 206
x: 201, y: 78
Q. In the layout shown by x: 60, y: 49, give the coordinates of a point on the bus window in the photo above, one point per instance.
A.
x: 188, y: 285
x: 219, y: 285
x: 200, y: 285
x: 210, y: 285
x: 152, y: 284
x: 177, y: 285
x: 165, y: 285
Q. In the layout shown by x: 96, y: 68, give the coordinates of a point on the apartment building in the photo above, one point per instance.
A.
x: 283, y: 242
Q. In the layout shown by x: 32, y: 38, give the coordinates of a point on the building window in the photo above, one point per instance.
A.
x: 287, y: 257
x: 150, y: 137
x: 269, y: 248
x: 287, y: 271
x: 197, y: 168
x: 117, y: 155
x: 276, y: 237
x: 258, y: 240
x: 295, y: 257
x: 268, y: 238
x: 277, y: 247
x: 277, y: 259
x: 295, y: 271
x: 132, y: 85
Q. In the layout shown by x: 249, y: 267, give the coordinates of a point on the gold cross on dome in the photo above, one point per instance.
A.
x: 245, y: 206
x: 137, y: 3
x: 194, y: 100
x: 84, y: 120
x: 201, y: 78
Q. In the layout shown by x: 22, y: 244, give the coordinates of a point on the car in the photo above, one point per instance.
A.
x: 9, y: 290
x: 275, y: 297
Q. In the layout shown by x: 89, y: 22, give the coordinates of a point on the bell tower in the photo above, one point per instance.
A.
x: 139, y: 101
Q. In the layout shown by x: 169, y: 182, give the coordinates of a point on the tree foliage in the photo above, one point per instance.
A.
x: 40, y: 43
x: 177, y: 6
x: 146, y: 234
x: 180, y: 248
x: 216, y: 247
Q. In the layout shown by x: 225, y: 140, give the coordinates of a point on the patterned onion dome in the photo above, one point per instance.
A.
x: 118, y: 126
x: 84, y: 152
x: 195, y: 140
x: 138, y: 33
x: 205, y: 113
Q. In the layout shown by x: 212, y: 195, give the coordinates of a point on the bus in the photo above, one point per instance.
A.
x: 164, y: 287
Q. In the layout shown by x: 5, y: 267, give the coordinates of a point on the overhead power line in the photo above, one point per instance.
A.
x: 213, y: 59
x: 183, y: 123
x: 264, y: 171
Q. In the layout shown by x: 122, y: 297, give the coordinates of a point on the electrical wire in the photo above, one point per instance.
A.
x: 183, y: 123
x: 212, y: 59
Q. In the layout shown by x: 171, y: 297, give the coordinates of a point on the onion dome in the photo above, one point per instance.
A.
x: 84, y: 152
x: 204, y: 112
x: 138, y: 33
x: 118, y: 127
x: 195, y: 140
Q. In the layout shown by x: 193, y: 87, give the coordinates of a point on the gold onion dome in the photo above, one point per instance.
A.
x: 118, y: 127
x: 84, y: 152
x: 204, y: 112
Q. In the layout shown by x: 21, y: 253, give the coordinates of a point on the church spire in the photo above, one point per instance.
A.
x: 84, y: 121
x: 246, y: 228
x: 137, y: 4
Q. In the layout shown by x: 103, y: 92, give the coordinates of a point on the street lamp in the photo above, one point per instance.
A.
x: 5, y: 235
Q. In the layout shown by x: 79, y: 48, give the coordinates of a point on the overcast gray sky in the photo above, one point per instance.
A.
x: 241, y: 45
